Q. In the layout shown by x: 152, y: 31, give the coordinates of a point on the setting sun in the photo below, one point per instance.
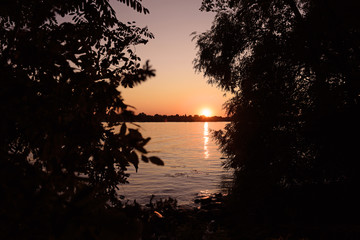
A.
x: 206, y: 112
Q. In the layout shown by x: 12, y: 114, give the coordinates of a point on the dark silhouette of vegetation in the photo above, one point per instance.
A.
x: 61, y: 158
x: 294, y: 69
x: 142, y: 117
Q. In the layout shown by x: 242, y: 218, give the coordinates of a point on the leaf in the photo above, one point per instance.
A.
x: 135, y: 134
x: 139, y: 7
x: 144, y: 158
x: 140, y: 149
x: 146, y: 141
x: 133, y: 4
x: 134, y: 159
x: 156, y: 160
x: 123, y: 129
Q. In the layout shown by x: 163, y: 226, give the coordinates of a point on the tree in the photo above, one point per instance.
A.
x: 60, y: 148
x: 293, y: 68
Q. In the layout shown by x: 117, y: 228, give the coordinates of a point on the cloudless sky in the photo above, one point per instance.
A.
x: 176, y: 89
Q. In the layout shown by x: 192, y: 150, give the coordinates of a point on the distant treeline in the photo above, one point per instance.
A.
x: 142, y: 117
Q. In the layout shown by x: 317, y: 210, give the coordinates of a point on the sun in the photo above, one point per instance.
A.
x: 206, y: 112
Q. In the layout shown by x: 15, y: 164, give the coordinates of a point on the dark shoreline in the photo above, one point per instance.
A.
x: 142, y: 117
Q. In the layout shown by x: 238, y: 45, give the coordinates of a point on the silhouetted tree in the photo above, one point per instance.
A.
x: 293, y: 69
x: 60, y: 156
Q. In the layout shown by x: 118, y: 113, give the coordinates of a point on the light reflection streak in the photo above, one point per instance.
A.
x: 206, y: 140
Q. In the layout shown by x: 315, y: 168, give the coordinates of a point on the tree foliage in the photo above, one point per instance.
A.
x: 293, y: 67
x: 62, y: 63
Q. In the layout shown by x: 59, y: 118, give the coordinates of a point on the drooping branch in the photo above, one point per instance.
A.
x: 136, y: 5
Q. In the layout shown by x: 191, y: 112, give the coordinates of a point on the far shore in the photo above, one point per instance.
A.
x: 142, y: 117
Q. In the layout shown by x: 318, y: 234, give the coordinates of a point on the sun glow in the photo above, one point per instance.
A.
x: 206, y: 112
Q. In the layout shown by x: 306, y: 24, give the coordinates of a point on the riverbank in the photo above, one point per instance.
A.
x: 164, y: 219
x: 213, y: 218
x: 142, y: 117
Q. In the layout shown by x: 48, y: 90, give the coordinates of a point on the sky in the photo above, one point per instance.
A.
x: 177, y: 88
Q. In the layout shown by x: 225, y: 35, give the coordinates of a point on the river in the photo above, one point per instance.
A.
x: 193, y: 163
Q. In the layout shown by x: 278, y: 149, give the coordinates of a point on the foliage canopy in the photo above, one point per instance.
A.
x: 62, y: 63
x: 293, y: 67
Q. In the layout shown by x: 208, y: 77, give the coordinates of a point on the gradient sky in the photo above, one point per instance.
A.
x: 176, y: 89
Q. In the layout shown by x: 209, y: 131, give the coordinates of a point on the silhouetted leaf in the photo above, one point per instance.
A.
x: 146, y: 141
x: 144, y: 158
x: 135, y: 134
x: 156, y: 161
x: 134, y: 159
x: 141, y: 149
x: 123, y: 129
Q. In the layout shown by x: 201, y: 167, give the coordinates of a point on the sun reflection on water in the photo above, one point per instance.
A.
x: 206, y: 140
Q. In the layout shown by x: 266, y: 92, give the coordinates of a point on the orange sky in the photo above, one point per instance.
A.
x: 176, y: 89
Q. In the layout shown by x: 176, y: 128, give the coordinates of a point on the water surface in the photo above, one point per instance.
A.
x: 193, y: 163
